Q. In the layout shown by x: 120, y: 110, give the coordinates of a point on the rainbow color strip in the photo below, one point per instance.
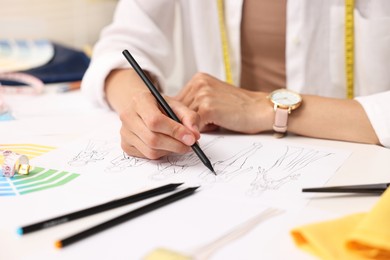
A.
x: 37, y: 180
x: 30, y: 150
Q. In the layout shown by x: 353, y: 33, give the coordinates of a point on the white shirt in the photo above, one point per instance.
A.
x: 314, y: 48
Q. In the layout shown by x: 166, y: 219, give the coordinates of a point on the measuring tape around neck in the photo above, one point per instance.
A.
x: 225, y: 45
x: 349, y: 47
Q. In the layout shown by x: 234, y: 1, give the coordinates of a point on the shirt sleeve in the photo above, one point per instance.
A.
x: 145, y: 29
x: 377, y: 107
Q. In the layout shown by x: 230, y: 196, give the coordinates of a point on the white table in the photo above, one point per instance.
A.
x: 56, y: 119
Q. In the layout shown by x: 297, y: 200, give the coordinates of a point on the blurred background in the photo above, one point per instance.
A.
x: 73, y: 23
x: 76, y: 23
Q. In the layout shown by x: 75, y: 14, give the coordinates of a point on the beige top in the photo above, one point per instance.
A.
x: 263, y: 33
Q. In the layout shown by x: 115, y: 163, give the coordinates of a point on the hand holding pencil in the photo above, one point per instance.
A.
x: 147, y: 132
x: 165, y: 106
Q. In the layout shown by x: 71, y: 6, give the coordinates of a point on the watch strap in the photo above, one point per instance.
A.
x: 281, y: 117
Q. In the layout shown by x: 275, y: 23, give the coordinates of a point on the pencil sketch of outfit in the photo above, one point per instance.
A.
x: 176, y: 164
x: 93, y: 152
x: 285, y: 169
x: 233, y: 166
x: 123, y: 161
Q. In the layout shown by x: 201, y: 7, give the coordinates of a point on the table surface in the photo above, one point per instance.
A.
x: 41, y: 120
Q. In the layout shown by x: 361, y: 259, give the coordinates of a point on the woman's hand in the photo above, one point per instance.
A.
x: 207, y: 103
x: 222, y: 105
x: 146, y: 131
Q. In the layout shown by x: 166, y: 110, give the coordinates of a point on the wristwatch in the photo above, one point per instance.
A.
x: 284, y: 102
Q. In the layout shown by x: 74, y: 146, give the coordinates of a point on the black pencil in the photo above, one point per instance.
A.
x: 161, y: 101
x: 125, y: 217
x: 97, y: 209
x: 376, y: 188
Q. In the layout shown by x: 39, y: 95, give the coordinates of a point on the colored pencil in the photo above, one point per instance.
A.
x: 97, y: 209
x: 377, y: 188
x: 125, y: 217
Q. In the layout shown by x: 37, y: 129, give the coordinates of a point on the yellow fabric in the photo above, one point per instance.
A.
x: 166, y: 254
x: 359, y: 236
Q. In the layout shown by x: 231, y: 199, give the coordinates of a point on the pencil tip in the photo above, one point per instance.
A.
x: 19, y: 231
x: 208, y: 165
x: 58, y: 244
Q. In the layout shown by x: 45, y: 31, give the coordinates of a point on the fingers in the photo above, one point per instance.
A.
x: 199, y: 82
x: 189, y: 118
x: 223, y: 105
x: 147, y: 132
x: 208, y: 128
x: 155, y: 149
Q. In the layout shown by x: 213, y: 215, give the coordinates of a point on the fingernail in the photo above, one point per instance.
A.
x: 195, y: 127
x: 188, y: 139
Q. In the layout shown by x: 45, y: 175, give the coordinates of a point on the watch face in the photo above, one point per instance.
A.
x: 285, y: 98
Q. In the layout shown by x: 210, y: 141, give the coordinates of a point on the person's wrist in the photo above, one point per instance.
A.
x: 264, y: 113
x: 122, y: 85
x: 268, y: 117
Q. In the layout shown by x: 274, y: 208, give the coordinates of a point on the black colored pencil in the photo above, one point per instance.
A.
x: 125, y: 217
x: 161, y: 101
x: 97, y: 209
x: 377, y: 188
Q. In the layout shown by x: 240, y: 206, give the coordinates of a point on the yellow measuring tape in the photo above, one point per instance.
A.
x: 225, y: 45
x: 349, y: 46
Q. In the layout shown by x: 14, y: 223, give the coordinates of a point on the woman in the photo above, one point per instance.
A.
x: 269, y: 45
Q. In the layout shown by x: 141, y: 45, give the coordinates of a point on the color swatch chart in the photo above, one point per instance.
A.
x: 37, y: 180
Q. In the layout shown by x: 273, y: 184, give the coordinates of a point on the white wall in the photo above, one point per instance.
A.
x: 75, y: 23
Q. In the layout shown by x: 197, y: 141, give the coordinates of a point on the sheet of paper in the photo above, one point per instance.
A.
x: 52, y: 119
x: 249, y: 168
x: 253, y: 173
